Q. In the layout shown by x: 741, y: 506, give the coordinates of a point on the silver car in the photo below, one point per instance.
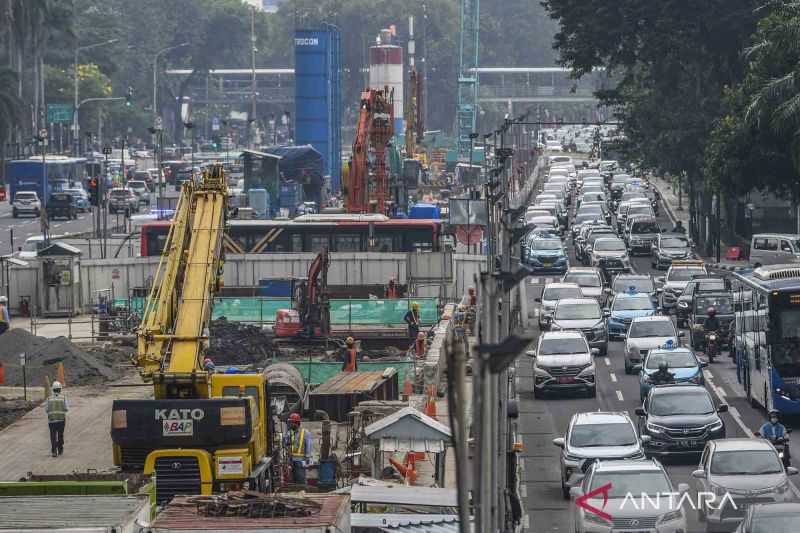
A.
x: 641, y: 481
x: 588, y: 279
x: 747, y: 470
x: 552, y: 293
x: 646, y: 333
x: 596, y: 435
x: 585, y: 315
x: 563, y: 362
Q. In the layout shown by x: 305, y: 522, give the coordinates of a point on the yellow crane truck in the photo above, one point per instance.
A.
x: 203, y: 432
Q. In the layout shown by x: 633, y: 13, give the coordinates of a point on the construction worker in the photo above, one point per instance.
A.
x: 349, y: 356
x: 391, y: 289
x: 56, y: 409
x: 5, y: 319
x: 412, y: 319
x: 298, y: 441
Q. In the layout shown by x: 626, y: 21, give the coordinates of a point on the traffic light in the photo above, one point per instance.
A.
x: 93, y: 192
x: 129, y: 97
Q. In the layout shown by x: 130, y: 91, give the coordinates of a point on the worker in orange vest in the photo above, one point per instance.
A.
x: 349, y: 356
x: 5, y: 319
x: 391, y: 289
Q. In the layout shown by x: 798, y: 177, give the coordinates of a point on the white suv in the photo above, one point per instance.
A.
x: 26, y: 202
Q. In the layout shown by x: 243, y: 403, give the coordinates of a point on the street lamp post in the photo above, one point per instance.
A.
x: 76, y: 138
x: 155, y: 73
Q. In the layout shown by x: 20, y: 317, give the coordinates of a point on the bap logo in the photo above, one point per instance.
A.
x: 178, y: 422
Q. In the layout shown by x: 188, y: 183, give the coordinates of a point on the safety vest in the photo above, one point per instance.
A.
x: 56, y: 409
x: 2, y: 313
x: 297, y: 444
x: 350, y: 361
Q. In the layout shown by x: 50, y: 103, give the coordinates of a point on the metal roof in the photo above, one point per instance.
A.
x: 408, y: 423
x: 395, y: 445
x: 375, y: 520
x: 353, y: 382
x: 19, y: 513
x: 402, y: 495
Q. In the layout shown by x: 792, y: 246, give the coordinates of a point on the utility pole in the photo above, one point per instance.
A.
x: 75, y: 126
x: 253, y: 121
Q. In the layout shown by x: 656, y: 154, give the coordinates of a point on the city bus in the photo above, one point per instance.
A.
x: 309, y: 233
x: 29, y: 174
x: 770, y: 357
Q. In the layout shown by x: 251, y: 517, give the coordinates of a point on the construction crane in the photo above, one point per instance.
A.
x: 368, y: 191
x: 203, y: 431
x: 468, y: 75
x: 311, y: 316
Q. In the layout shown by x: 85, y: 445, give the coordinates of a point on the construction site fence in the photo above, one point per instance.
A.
x: 356, y: 312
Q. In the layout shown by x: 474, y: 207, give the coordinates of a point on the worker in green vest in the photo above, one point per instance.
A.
x: 298, y: 443
x: 56, y: 409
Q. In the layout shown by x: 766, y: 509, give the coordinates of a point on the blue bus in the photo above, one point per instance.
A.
x: 29, y: 174
x: 768, y: 337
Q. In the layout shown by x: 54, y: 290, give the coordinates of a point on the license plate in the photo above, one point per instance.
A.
x: 630, y: 531
x: 547, y: 263
x: 688, y: 443
x: 566, y: 379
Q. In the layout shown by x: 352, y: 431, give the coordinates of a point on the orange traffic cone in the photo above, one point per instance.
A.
x: 430, y: 404
x: 60, y: 374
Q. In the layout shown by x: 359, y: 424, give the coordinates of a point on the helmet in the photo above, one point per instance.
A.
x: 56, y: 386
x: 349, y: 341
x: 415, y: 306
x: 663, y: 366
x: 712, y: 311
x: 421, y: 336
x: 294, y: 418
x: 3, y: 300
x: 773, y: 412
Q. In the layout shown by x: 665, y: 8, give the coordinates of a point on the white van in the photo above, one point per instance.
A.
x: 774, y: 249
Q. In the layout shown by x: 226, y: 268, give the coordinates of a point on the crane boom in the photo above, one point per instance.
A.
x: 178, y: 311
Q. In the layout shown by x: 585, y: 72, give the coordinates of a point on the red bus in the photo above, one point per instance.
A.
x: 309, y: 233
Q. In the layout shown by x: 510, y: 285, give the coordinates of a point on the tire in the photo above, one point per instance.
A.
x: 564, y: 490
x: 538, y: 394
x: 628, y: 368
x: 604, y: 350
x: 14, y: 213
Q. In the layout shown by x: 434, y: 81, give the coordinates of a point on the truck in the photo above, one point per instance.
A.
x: 202, y: 432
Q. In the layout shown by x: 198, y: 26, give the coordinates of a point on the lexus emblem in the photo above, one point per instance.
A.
x: 685, y: 431
x: 176, y: 466
x: 634, y: 523
x: 564, y: 368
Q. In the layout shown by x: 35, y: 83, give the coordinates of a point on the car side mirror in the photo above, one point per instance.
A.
x: 623, y: 336
x: 645, y: 439
x: 661, y: 279
x: 595, y: 351
x: 699, y: 474
x: 531, y: 354
x: 681, y: 334
x: 640, y: 411
x: 637, y: 368
x: 575, y: 492
x: 703, y: 364
x: 791, y: 471
x: 606, y: 313
x: 723, y: 408
x: 607, y: 290
x: 537, y: 300
x: 559, y: 442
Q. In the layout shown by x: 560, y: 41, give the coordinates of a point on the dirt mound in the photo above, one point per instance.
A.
x: 43, y: 355
x: 233, y: 343
x: 13, y: 410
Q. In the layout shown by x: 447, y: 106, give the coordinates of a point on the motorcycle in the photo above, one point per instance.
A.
x: 782, y: 446
x: 711, y: 345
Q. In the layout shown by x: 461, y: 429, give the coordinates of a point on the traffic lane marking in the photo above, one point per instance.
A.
x: 619, y: 395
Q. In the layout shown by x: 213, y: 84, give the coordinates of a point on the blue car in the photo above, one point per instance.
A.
x: 544, y: 255
x: 682, y: 362
x: 624, y: 308
x: 81, y: 199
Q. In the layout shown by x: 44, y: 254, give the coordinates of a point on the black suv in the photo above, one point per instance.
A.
x: 679, y: 419
x: 683, y: 307
x: 61, y: 205
x: 704, y: 297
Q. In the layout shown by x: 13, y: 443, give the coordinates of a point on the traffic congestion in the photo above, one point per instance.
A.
x: 650, y: 373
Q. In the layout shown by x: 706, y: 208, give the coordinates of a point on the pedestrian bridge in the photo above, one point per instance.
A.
x: 539, y: 85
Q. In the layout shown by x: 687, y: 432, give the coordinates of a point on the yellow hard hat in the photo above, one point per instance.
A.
x: 349, y: 340
x: 415, y: 306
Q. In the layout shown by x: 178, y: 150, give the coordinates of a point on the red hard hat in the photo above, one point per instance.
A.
x: 294, y: 417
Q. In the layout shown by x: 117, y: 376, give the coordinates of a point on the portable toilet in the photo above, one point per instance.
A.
x: 59, y: 280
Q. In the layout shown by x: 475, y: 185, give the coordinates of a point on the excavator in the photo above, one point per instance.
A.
x: 310, y: 318
x: 365, y: 193
x: 203, y: 432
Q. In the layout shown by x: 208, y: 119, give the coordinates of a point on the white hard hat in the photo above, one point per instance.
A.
x: 3, y: 299
x: 56, y: 385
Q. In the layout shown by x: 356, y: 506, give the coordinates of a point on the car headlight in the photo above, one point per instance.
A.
x: 716, y: 426
x: 588, y: 371
x: 670, y: 516
x: 783, y: 488
x: 683, y: 305
x: 554, y: 326
x: 595, y: 519
x: 539, y: 372
x: 653, y: 428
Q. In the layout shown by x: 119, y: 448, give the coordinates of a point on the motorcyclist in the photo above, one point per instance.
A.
x: 662, y: 376
x: 678, y: 228
x: 773, y: 431
x: 711, y: 323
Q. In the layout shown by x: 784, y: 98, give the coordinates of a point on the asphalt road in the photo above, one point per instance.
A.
x: 543, y: 420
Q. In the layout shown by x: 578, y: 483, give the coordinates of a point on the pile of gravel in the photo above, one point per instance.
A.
x: 43, y: 356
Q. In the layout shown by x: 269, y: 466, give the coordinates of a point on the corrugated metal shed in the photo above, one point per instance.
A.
x: 341, y: 393
x: 391, y: 522
x: 408, y: 423
x: 182, y: 516
x: 24, y: 513
x: 403, y: 495
x: 393, y: 445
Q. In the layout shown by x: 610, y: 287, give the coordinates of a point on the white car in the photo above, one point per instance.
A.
x: 633, y: 505
x: 26, y: 202
x: 646, y: 333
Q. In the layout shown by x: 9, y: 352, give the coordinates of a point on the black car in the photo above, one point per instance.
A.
x: 679, y: 419
x: 62, y: 205
x: 683, y: 309
x: 703, y: 298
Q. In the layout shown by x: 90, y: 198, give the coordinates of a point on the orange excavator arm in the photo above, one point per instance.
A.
x: 357, y: 195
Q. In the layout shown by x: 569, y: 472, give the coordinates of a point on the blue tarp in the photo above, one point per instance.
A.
x: 302, y: 164
x: 425, y: 212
